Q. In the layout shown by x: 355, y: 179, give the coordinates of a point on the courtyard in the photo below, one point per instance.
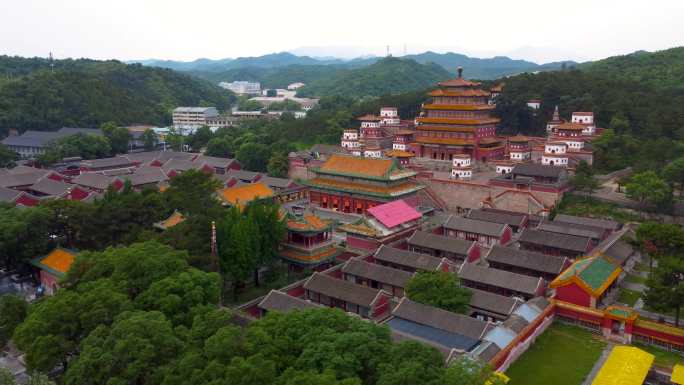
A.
x: 562, y: 355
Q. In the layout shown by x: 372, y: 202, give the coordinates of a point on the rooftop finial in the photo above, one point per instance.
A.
x: 460, y: 71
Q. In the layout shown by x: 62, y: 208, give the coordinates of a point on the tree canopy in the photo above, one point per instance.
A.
x: 439, y: 289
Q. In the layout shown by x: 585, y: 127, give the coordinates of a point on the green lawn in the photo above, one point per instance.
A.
x: 633, y: 278
x: 563, y: 355
x: 663, y: 357
x: 628, y: 297
x: 589, y: 207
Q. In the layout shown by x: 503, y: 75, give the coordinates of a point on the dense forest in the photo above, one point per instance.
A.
x: 87, y: 93
x: 661, y: 69
x: 387, y: 76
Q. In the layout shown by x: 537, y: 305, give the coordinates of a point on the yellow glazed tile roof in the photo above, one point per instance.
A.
x: 59, y: 260
x: 626, y: 365
x: 241, y: 195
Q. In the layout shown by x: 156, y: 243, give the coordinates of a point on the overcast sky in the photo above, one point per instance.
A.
x: 537, y: 30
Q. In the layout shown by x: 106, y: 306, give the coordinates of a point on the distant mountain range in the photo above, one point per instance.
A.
x: 476, y: 68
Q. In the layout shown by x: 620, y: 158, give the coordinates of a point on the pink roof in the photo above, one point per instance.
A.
x: 394, y: 213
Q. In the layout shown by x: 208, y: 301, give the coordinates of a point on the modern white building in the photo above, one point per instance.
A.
x: 295, y: 86
x: 193, y: 117
x: 242, y: 87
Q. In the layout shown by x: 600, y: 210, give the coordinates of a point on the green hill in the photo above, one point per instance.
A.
x: 387, y: 76
x: 86, y: 93
x: 490, y: 68
x: 646, y: 120
x: 272, y: 77
x: 661, y: 69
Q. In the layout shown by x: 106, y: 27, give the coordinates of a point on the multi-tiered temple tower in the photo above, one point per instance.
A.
x: 457, y: 121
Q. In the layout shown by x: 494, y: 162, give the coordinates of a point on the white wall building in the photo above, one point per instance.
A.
x: 555, y: 154
x: 504, y: 168
x: 242, y: 87
x: 534, y: 104
x: 350, y: 139
x: 586, y: 119
x: 461, y: 167
x: 193, y: 117
x: 389, y: 116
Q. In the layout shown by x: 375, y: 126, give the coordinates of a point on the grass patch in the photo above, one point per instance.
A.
x: 589, y: 207
x: 663, y: 358
x: 640, y: 266
x: 628, y: 297
x: 633, y: 278
x: 562, y: 355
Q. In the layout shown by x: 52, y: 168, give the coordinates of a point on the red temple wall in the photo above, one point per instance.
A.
x: 78, y: 194
x: 381, y: 306
x: 506, y: 237
x: 679, y: 340
x: 361, y: 243
x: 573, y: 294
x: 26, y: 201
x: 474, y: 254
x: 297, y: 291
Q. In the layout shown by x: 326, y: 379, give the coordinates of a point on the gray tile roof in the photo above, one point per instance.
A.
x: 179, y: 164
x: 492, y: 302
x: 93, y: 180
x: 572, y: 229
x: 166, y: 155
x: 440, y: 319
x: 407, y: 258
x: 539, y: 170
x: 50, y: 187
x: 489, y: 352
x: 527, y: 259
x: 516, y: 323
x: 214, y: 161
x: 8, y: 195
x: 280, y: 183
x: 33, y: 138
x: 243, y: 174
x: 282, y: 302
x: 379, y: 273
x: 22, y: 178
x: 440, y: 242
x: 560, y: 241
x: 499, y: 278
x: 474, y: 226
x: 340, y: 289
x: 601, y: 223
x: 143, y: 156
x: 145, y: 175
x: 509, y: 218
x: 116, y: 161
